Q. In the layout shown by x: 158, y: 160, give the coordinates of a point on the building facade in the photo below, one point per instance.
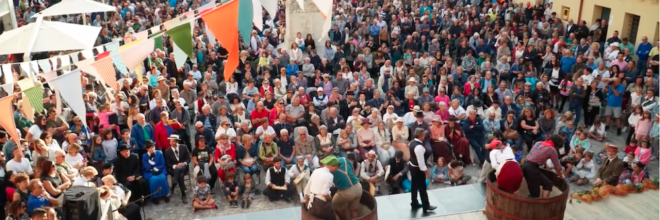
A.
x: 632, y: 18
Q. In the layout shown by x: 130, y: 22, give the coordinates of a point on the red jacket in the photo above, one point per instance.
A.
x: 161, y: 135
x: 231, y: 152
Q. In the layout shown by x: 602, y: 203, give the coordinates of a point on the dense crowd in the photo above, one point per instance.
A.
x: 466, y: 71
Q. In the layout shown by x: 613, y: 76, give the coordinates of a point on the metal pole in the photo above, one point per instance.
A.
x: 33, y: 37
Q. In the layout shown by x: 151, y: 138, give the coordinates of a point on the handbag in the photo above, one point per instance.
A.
x: 511, y: 134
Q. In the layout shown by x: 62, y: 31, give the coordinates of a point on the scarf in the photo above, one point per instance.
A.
x: 223, y: 149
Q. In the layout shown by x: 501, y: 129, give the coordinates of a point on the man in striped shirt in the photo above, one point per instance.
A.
x: 538, y: 155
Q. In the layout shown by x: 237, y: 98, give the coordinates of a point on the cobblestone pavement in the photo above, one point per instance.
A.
x: 175, y: 210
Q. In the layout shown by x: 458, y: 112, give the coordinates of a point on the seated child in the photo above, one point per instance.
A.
x: 231, y: 189
x: 456, y: 176
x: 249, y: 189
x: 632, y: 146
x: 440, y: 172
x: 569, y: 161
x: 517, y: 152
x: 597, y: 130
x: 586, y: 169
x: 104, y: 118
x: 202, y: 195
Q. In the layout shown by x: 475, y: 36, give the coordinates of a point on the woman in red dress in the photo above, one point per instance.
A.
x: 507, y: 171
x: 456, y: 137
x: 225, y: 148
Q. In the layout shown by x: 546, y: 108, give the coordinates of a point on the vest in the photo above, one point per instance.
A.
x: 413, y: 156
x: 277, y: 178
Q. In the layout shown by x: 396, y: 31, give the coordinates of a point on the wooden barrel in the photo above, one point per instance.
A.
x: 501, y: 205
x: 368, y: 201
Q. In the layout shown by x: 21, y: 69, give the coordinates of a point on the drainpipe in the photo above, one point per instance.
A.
x: 580, y: 11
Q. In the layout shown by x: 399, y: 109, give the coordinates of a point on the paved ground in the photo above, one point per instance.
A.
x: 175, y: 210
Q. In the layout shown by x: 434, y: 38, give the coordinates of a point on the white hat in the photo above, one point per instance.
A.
x: 399, y: 119
x: 412, y: 79
x: 417, y: 108
x: 319, y: 89
x: 615, y: 44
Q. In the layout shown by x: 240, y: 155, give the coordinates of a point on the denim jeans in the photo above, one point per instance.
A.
x: 576, y: 108
x: 251, y: 170
x: 478, y: 145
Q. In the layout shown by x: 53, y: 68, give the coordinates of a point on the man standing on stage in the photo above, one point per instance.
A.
x: 419, y: 172
x: 349, y: 188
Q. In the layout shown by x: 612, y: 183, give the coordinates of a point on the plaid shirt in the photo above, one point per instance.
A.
x: 541, y: 152
x: 304, y: 148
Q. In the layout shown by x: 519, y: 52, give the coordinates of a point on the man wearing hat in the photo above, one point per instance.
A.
x: 419, y: 123
x: 347, y: 105
x: 609, y: 172
x: 278, y: 183
x: 177, y: 158
x: 317, y: 200
x: 397, y: 169
x: 537, y: 156
x: 163, y: 88
x: 372, y: 170
x: 426, y: 97
x: 128, y: 173
x: 321, y: 99
x: 412, y: 88
x: 349, y: 189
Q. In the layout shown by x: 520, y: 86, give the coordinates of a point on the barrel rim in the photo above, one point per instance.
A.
x: 562, y: 196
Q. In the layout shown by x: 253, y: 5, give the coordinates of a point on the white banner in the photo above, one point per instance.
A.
x: 69, y: 87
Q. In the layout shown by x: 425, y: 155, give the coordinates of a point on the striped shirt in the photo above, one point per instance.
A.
x: 541, y: 152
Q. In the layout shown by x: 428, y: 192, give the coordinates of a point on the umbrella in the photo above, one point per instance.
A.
x: 44, y: 36
x: 66, y: 7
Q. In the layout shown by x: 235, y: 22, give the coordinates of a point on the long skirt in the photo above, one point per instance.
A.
x: 510, y: 177
x: 157, y: 182
x: 440, y: 149
x: 320, y: 209
x: 462, y: 150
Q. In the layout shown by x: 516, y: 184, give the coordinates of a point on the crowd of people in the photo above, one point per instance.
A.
x: 447, y: 75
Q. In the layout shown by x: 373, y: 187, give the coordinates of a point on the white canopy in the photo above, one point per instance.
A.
x: 66, y: 7
x: 44, y: 36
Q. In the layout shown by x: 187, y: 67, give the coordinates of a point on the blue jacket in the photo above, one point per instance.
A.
x: 374, y: 30
x: 439, y: 170
x: 98, y: 154
x: 643, y: 51
x: 291, y: 70
x: 506, y: 109
x: 253, y: 152
x: 477, y: 130
x: 138, y: 134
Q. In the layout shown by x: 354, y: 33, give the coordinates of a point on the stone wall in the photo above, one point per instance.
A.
x: 308, y: 21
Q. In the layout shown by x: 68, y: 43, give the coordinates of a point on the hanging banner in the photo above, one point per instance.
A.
x: 100, y: 49
x: 54, y: 62
x: 271, y: 7
x: 226, y: 32
x: 65, y: 61
x: 87, y: 54
x: 142, y: 35
x: 107, y: 71
x: 9, y: 74
x: 69, y: 86
x: 182, y: 37
x: 28, y: 111
x: 25, y: 66
x: 7, y: 118
x: 35, y: 96
x: 133, y: 54
x: 245, y: 19
x: 179, y: 56
x: 45, y: 65
x: 75, y: 57
x: 9, y: 88
x: 257, y: 16
x: 50, y: 76
x: 26, y: 83
x: 114, y: 53
x: 35, y: 67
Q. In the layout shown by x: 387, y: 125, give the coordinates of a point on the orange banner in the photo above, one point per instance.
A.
x: 7, y: 121
x: 223, y: 23
x: 106, y: 69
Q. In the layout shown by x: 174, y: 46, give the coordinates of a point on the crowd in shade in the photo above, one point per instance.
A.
x: 469, y: 72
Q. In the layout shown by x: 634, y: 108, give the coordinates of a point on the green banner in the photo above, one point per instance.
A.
x: 35, y: 96
x: 158, y: 40
x: 182, y: 37
x: 245, y: 15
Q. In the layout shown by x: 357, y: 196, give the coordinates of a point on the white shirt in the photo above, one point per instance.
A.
x: 456, y: 112
x: 419, y: 153
x: 498, y: 157
x: 320, y: 182
x: 267, y: 180
x: 35, y: 131
x: 80, y: 181
x: 366, y: 173
x: 268, y: 131
x: 586, y: 169
x: 603, y: 74
x: 73, y: 160
x: 229, y: 131
x: 19, y: 167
